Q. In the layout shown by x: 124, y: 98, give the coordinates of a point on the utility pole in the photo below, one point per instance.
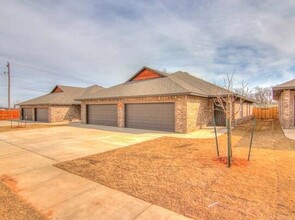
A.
x: 8, y: 73
x: 8, y: 85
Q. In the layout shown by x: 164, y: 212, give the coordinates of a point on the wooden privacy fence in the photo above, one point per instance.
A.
x: 9, y: 114
x: 265, y: 113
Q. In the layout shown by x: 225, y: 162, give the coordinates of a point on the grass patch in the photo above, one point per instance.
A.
x: 13, y: 207
x: 184, y: 175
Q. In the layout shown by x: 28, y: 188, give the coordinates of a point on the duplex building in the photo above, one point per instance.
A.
x: 285, y: 95
x: 151, y: 99
x: 57, y: 106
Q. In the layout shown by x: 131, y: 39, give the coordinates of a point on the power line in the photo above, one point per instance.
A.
x: 21, y: 87
x: 50, y: 72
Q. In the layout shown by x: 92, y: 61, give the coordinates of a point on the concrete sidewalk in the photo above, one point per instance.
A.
x: 290, y: 133
x: 27, y: 159
x: 206, y: 132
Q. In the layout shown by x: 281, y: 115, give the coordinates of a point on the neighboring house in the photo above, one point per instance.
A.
x: 155, y: 100
x: 57, y: 106
x: 285, y: 94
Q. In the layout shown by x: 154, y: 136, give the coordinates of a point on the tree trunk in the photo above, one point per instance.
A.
x: 228, y: 125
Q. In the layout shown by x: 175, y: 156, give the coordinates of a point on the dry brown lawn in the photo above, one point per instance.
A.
x: 185, y: 176
x: 15, y: 127
x: 13, y: 207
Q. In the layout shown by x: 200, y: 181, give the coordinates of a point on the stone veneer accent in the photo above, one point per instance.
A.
x: 65, y: 113
x: 58, y: 113
x: 190, y: 112
x: 286, y: 108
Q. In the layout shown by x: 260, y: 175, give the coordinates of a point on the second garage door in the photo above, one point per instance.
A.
x: 151, y: 116
x: 41, y: 114
x: 102, y: 115
x: 27, y: 114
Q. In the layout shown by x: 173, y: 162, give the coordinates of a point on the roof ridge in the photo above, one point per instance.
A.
x: 77, y: 87
x: 66, y: 97
x: 156, y: 70
x: 282, y: 84
x: 213, y: 84
x: 177, y: 82
x: 95, y: 85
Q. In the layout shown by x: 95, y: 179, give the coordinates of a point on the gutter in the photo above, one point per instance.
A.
x: 236, y: 95
x: 142, y: 96
x: 282, y: 88
x: 50, y: 104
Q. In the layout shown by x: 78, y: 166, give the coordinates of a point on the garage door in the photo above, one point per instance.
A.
x: 102, y: 115
x: 152, y: 116
x: 27, y: 114
x: 41, y: 114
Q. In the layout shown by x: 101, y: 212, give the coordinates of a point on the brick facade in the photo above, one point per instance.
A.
x: 199, y: 112
x: 57, y: 113
x: 191, y: 112
x: 242, y: 112
x: 286, y: 108
x: 65, y: 113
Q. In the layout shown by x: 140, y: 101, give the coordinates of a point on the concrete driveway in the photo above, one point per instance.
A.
x: 289, y: 133
x: 27, y: 159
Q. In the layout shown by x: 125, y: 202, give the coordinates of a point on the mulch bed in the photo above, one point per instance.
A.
x: 185, y: 176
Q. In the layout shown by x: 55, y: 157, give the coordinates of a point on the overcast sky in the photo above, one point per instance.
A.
x: 81, y: 43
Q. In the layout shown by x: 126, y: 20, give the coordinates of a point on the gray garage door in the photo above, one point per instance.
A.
x: 152, y: 116
x: 41, y: 114
x: 27, y: 114
x: 102, y: 115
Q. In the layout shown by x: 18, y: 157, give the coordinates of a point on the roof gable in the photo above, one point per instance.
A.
x: 146, y: 73
x: 56, y: 89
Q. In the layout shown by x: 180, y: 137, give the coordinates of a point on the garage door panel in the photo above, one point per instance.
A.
x: 151, y: 116
x: 102, y: 115
x: 42, y: 114
x: 27, y: 114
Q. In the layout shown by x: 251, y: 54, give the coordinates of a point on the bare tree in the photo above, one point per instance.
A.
x: 262, y: 95
x: 244, y: 90
x: 225, y: 101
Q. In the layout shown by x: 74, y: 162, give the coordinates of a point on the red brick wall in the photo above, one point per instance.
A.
x: 146, y: 74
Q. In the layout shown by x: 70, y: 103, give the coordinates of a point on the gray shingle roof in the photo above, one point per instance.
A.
x: 170, y: 84
x: 287, y: 85
x: 197, y: 85
x: 67, y: 97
